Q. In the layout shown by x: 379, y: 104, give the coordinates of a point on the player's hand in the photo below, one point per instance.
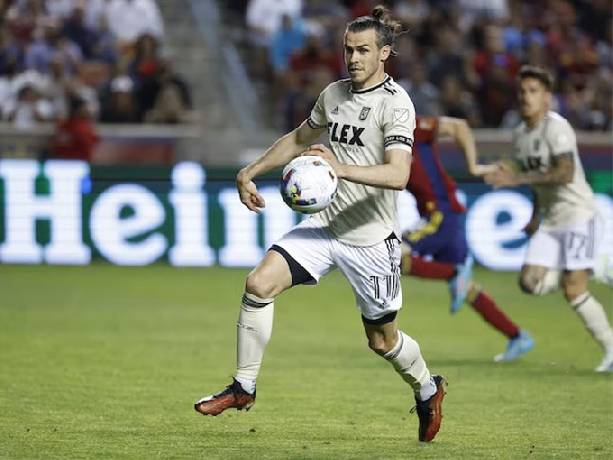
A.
x: 248, y: 193
x: 324, y: 152
x: 503, y: 176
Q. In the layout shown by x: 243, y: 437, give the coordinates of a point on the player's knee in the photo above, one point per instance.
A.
x: 260, y: 285
x: 378, y: 346
x: 381, y: 344
x: 572, y: 290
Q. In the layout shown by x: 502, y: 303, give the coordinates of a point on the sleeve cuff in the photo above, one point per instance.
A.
x: 314, y: 125
x: 404, y: 147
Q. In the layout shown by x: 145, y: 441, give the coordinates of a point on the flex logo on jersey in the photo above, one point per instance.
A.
x: 532, y: 162
x: 340, y: 133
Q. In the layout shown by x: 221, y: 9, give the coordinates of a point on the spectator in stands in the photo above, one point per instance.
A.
x: 118, y: 104
x: 448, y: 58
x: 49, y: 43
x: 76, y: 30
x: 129, y: 19
x: 425, y: 95
x: 144, y: 70
x: 362, y: 7
x: 458, y: 102
x: 301, y: 97
x: 264, y: 18
x: 93, y: 10
x: 29, y: 108
x: 474, y: 10
x: 58, y: 83
x: 54, y: 86
x: 172, y: 103
x: 313, y: 56
x: 285, y: 42
x: 10, y: 51
x: 75, y: 136
x: 601, y: 109
x: 496, y: 69
x: 8, y: 78
x: 146, y: 60
x: 60, y: 9
x: 412, y: 12
x: 105, y: 49
x: 24, y: 17
x: 323, y: 18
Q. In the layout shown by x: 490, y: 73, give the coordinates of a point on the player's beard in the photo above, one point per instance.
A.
x: 362, y: 76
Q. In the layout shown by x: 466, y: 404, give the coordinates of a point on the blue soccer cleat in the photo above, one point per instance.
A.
x: 517, y: 346
x: 460, y: 283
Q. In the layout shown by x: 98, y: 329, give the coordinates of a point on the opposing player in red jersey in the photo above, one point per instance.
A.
x: 438, y: 248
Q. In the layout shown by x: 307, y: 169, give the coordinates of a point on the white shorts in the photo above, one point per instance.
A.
x: 372, y: 271
x: 572, y: 248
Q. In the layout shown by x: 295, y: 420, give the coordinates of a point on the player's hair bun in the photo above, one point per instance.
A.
x: 380, y: 13
x: 381, y: 20
x: 383, y: 15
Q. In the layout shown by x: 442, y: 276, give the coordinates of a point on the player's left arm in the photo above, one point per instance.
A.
x: 393, y: 173
x: 562, y: 143
x: 560, y: 172
x: 460, y: 132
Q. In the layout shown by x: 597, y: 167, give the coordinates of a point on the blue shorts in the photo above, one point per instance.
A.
x: 442, y: 237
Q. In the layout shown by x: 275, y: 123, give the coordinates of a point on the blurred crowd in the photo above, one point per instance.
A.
x: 78, y: 61
x: 459, y: 57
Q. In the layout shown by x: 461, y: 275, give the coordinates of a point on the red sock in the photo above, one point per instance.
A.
x: 432, y: 270
x: 489, y: 311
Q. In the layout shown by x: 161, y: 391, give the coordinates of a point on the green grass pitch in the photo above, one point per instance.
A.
x: 106, y: 362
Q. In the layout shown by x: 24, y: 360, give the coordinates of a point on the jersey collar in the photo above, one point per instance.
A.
x: 372, y: 88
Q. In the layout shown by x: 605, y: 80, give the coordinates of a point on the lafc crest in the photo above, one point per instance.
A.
x: 364, y: 113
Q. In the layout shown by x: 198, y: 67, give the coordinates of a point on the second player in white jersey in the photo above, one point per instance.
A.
x: 362, y: 125
x: 537, y: 149
x: 563, y: 229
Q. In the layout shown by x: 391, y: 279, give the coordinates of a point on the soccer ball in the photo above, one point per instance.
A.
x: 308, y: 184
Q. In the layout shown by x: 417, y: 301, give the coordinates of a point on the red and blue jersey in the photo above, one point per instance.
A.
x: 429, y: 183
x: 441, y: 234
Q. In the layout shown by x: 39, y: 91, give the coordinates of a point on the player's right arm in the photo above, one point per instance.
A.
x: 460, y: 132
x: 279, y: 154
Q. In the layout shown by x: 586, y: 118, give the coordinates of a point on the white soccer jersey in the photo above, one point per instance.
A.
x: 361, y: 126
x: 560, y: 205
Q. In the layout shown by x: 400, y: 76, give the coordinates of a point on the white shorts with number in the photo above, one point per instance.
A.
x: 372, y: 271
x: 574, y: 247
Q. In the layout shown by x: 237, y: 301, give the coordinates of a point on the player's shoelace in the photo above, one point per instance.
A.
x: 233, y: 388
x: 423, y: 407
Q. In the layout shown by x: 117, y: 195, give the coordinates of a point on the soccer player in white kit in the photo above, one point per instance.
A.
x: 370, y: 121
x: 565, y: 224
